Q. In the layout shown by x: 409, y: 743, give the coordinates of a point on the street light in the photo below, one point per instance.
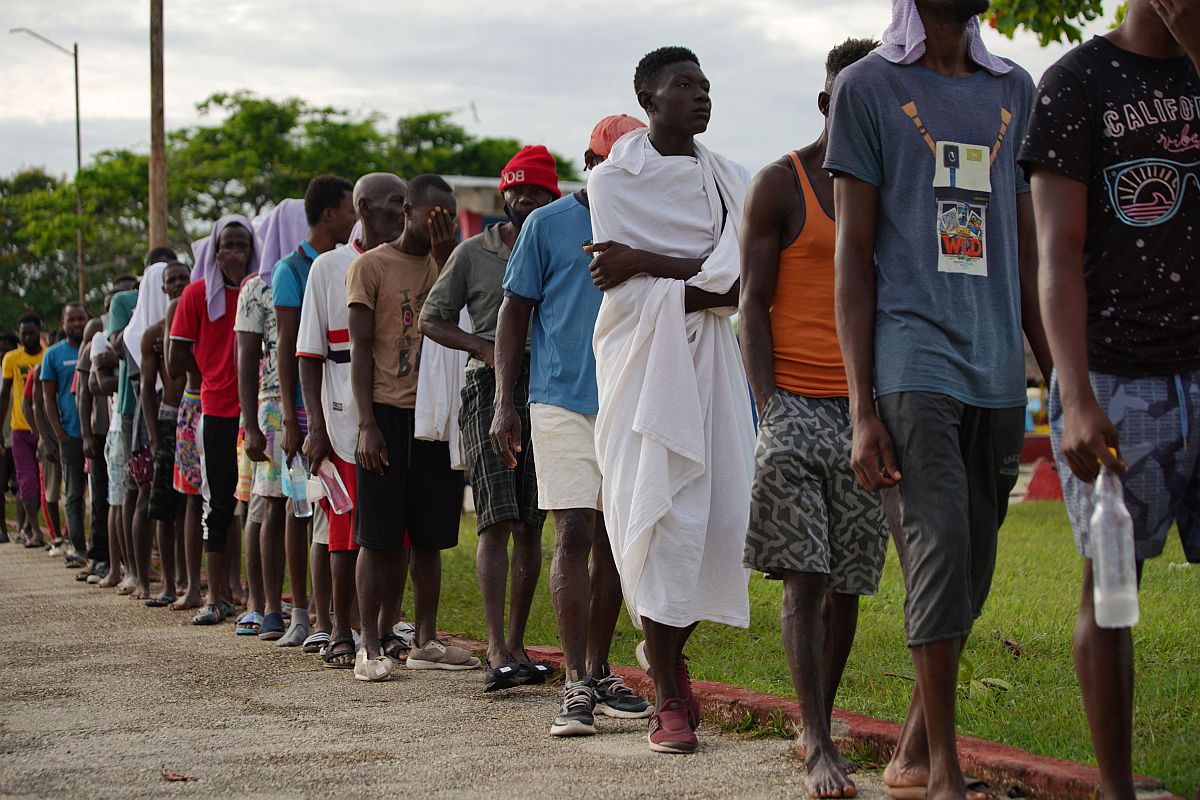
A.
x: 74, y: 54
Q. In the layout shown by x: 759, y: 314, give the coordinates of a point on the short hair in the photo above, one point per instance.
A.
x: 420, y: 187
x: 161, y: 254
x: 30, y: 318
x: 324, y: 192
x: 126, y: 277
x: 846, y: 54
x: 74, y: 304
x: 652, y: 64
x: 10, y: 339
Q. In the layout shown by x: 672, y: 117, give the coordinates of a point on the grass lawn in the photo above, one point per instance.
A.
x: 1033, y: 603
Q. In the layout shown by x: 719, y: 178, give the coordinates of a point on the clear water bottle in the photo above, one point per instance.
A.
x: 1114, y: 568
x: 295, y: 486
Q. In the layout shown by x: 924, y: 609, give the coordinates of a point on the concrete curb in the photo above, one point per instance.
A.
x: 1010, y: 771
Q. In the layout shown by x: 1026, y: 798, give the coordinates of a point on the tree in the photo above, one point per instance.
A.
x: 1050, y: 20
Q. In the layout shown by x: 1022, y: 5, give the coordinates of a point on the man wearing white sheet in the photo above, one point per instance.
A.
x: 674, y: 433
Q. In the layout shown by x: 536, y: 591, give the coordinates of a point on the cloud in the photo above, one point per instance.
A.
x: 537, y: 70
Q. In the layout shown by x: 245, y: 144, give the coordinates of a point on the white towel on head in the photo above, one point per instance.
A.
x: 674, y: 433
x: 904, y: 40
x: 150, y: 309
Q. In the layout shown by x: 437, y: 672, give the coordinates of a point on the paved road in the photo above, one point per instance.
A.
x: 101, y: 694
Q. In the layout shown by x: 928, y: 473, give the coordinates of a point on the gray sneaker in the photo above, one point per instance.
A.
x: 615, y: 699
x: 577, y: 716
x: 435, y: 655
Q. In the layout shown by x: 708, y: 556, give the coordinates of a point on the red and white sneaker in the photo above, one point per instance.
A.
x: 670, y: 729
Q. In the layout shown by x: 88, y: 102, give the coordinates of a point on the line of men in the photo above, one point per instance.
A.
x: 883, y: 354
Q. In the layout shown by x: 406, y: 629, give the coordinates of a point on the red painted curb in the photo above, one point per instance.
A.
x: 1010, y: 771
x: 1044, y: 485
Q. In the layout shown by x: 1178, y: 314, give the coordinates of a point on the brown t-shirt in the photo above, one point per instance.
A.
x: 394, y: 286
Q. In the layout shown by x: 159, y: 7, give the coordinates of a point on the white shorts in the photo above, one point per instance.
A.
x: 564, y: 447
x: 320, y: 526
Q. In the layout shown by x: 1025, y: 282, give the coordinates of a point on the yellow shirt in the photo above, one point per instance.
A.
x: 17, y: 364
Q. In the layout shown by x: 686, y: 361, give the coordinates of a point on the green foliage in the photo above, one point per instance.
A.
x: 248, y: 154
x: 1050, y: 20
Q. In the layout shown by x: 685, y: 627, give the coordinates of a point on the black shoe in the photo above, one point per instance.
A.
x: 577, y: 716
x: 4, y: 537
x: 615, y: 699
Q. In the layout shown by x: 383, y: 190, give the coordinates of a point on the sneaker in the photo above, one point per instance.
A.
x: 373, y: 669
x: 671, y: 730
x: 407, y: 633
x: 436, y: 655
x: 55, y: 551
x: 615, y: 699
x: 684, y: 682
x: 577, y: 717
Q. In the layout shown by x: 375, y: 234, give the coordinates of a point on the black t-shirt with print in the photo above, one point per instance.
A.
x: 1129, y: 127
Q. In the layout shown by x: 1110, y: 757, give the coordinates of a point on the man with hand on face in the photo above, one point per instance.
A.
x: 323, y: 355
x: 674, y: 432
x: 936, y: 277
x: 329, y: 209
x: 548, y: 281
x: 58, y: 378
x: 505, y: 498
x: 407, y: 492
x: 1119, y: 228
x: 811, y: 525
x: 202, y: 339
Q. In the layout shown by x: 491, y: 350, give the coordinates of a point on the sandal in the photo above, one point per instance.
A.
x: 331, y: 656
x: 209, y: 615
x: 316, y: 642
x: 270, y: 628
x: 535, y: 672
x: 397, y: 651
x: 162, y: 601
x: 248, y: 624
x: 505, y: 676
x: 228, y: 609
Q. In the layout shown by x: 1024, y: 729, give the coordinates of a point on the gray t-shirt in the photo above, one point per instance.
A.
x: 473, y: 278
x: 943, y: 153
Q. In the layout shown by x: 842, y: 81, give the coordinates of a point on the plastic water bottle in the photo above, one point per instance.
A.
x: 334, y: 489
x: 1114, y: 568
x: 295, y: 486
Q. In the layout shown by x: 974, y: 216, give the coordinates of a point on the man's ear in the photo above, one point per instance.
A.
x: 823, y: 101
x: 645, y: 100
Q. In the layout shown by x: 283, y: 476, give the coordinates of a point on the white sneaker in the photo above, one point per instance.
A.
x: 407, y: 633
x: 56, y: 551
x: 373, y: 669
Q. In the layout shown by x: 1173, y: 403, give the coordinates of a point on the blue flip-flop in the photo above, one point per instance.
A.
x: 271, y: 627
x: 162, y: 601
x: 209, y: 615
x: 248, y: 624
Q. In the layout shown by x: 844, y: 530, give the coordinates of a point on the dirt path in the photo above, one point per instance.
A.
x: 101, y: 694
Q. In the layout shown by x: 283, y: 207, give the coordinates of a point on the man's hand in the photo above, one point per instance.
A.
x: 47, y: 452
x: 106, y: 360
x: 506, y: 433
x: 615, y: 264
x: 293, y: 439
x: 486, y: 353
x: 317, y: 447
x: 91, y: 447
x: 1182, y: 18
x: 255, y: 443
x: 372, y: 449
x: 441, y: 235
x: 1087, y: 436
x: 872, y: 445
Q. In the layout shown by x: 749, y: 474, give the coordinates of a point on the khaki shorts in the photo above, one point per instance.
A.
x: 52, y: 480
x: 564, y: 443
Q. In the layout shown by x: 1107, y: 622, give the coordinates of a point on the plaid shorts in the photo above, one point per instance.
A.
x: 500, y: 494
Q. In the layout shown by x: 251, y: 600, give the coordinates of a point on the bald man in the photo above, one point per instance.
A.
x: 323, y: 353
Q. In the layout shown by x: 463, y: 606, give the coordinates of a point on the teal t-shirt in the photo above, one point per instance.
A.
x: 119, y: 314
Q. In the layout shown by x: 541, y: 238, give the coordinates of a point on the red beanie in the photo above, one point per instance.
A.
x: 531, y: 166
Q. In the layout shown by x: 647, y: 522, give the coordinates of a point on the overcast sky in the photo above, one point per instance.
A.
x: 542, y: 71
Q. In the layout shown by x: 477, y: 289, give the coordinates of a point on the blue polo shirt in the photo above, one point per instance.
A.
x: 549, y: 269
x: 288, y: 281
x: 59, y: 365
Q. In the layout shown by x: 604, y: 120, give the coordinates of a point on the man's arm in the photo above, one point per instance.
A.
x: 856, y: 205
x: 288, y: 320
x: 5, y: 403
x: 1031, y: 314
x: 1061, y: 207
x: 86, y: 402
x: 148, y: 386
x: 249, y: 358
x: 317, y: 446
x: 760, y: 242
x: 50, y: 406
x: 617, y: 263
x: 372, y: 449
x: 182, y: 360
x: 1182, y: 18
x: 448, y: 334
x: 511, y: 327
x: 699, y: 300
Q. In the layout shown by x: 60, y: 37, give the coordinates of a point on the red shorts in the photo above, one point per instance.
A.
x: 341, y: 526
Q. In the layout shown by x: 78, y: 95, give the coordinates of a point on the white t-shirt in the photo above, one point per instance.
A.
x: 325, y: 334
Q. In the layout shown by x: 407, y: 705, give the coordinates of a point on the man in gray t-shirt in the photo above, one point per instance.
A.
x: 936, y: 271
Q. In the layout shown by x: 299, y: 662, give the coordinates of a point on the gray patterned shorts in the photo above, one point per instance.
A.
x: 807, y: 510
x: 1158, y: 419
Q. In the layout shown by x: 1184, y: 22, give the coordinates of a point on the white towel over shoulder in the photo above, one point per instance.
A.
x: 439, y: 394
x: 674, y: 434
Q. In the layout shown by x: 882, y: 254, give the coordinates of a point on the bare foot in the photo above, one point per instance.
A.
x: 189, y: 600
x: 848, y: 766
x: 826, y: 776
x: 112, y: 579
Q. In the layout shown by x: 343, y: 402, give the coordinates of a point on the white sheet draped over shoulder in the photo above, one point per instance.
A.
x: 674, y: 434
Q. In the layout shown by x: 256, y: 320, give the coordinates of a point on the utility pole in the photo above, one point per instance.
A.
x: 74, y: 54
x: 158, y: 154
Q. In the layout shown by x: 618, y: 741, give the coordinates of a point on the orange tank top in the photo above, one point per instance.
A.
x: 808, y: 360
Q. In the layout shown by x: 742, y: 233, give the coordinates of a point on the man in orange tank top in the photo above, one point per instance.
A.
x: 811, y: 524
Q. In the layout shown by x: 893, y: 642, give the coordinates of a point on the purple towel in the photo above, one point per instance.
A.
x: 904, y: 40
x: 205, y: 252
x: 280, y: 232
